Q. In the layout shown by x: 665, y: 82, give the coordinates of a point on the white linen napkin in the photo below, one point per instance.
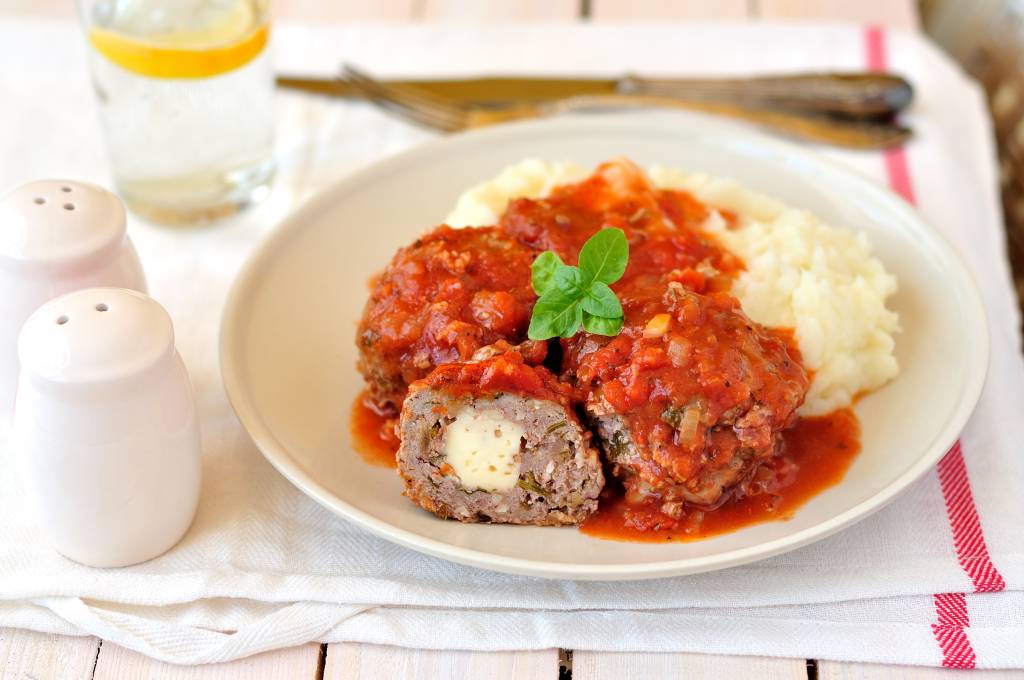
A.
x: 265, y: 567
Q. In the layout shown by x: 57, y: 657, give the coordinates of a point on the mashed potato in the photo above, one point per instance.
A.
x: 532, y: 178
x: 800, y: 273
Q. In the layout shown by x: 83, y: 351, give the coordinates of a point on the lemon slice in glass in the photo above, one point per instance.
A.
x: 229, y: 37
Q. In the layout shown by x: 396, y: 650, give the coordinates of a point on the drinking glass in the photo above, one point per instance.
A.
x: 185, y: 92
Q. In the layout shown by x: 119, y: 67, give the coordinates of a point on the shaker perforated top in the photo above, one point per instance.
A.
x: 95, y: 335
x: 59, y: 221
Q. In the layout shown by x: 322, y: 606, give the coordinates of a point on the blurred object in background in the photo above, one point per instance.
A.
x: 987, y: 38
x: 185, y: 90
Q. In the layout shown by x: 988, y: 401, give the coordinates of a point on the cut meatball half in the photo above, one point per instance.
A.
x: 497, y: 441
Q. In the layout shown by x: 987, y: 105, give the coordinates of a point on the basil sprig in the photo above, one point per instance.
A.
x: 571, y: 297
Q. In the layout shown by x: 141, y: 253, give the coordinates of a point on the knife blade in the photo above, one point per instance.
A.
x: 474, y: 90
x: 858, y: 95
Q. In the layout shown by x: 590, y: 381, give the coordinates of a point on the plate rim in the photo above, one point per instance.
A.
x: 277, y: 454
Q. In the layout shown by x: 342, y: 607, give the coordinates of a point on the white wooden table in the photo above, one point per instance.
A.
x: 29, y: 655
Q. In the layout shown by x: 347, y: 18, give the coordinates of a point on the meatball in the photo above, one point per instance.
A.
x: 689, y: 399
x: 440, y: 300
x: 497, y: 441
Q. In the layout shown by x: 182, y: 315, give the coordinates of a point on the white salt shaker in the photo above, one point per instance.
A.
x: 56, y: 236
x: 105, y: 427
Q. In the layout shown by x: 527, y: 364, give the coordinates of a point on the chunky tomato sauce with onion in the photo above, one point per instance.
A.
x: 443, y: 298
x: 815, y: 454
x: 696, y: 405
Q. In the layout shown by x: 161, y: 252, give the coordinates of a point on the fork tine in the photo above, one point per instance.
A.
x: 422, y: 97
x: 438, y: 115
x: 401, y: 109
x: 384, y: 100
x: 436, y: 111
x: 387, y: 101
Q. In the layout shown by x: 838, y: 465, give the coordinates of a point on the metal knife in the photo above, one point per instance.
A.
x: 856, y: 95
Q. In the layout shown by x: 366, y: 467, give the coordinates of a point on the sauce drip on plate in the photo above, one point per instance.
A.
x: 816, y: 454
x: 373, y: 433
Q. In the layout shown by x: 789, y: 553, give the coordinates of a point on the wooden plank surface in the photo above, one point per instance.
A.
x: 337, y: 11
x: 834, y: 670
x: 891, y: 13
x: 351, y: 661
x: 30, y: 655
x: 298, y: 663
x: 614, y: 666
x: 668, y: 10
x: 490, y: 12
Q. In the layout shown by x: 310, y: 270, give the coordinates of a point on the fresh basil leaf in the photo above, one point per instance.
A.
x: 599, y: 325
x: 574, y: 320
x: 555, y: 315
x: 601, y: 301
x: 569, y: 280
x: 604, y: 256
x: 544, y: 268
x: 571, y: 297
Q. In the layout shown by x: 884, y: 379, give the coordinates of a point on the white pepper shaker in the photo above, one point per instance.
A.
x: 105, y: 427
x: 56, y: 236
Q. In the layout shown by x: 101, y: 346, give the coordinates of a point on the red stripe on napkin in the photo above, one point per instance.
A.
x: 968, y: 537
x: 896, y: 167
x: 951, y: 630
x: 952, y: 618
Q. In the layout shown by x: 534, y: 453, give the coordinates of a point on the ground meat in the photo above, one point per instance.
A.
x: 690, y: 398
x: 443, y: 298
x: 550, y: 476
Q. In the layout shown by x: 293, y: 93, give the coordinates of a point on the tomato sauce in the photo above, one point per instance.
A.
x: 817, y: 452
x: 442, y: 298
x: 373, y: 433
x: 507, y: 372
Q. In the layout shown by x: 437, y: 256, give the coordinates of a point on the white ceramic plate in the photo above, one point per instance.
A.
x: 288, y: 352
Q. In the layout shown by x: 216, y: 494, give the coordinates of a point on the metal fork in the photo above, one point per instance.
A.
x: 438, y: 113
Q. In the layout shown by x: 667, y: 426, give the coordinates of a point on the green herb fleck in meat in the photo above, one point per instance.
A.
x: 556, y: 426
x: 529, y: 483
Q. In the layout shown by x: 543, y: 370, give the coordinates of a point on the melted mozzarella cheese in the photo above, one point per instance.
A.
x: 482, y: 448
